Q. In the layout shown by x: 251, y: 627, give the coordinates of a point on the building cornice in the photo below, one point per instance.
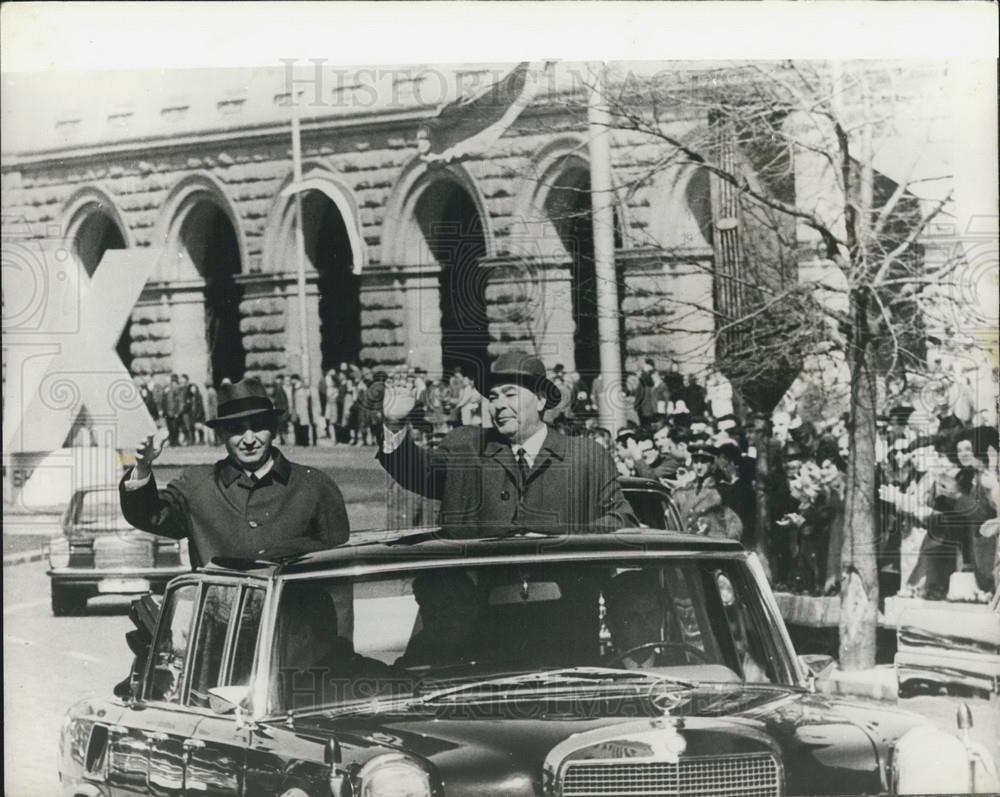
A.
x: 264, y: 133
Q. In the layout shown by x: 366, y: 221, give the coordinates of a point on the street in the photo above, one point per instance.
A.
x: 49, y: 663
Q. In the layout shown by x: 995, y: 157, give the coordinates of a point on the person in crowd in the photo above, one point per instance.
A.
x: 456, y: 386
x: 784, y: 505
x: 979, y: 482
x: 146, y: 394
x: 734, y: 481
x: 812, y: 530
x: 331, y: 411
x: 466, y: 404
x: 911, y: 501
x: 280, y: 399
x: 644, y: 401
x: 955, y: 518
x: 251, y: 504
x: 211, y: 413
x: 301, y: 410
x: 719, y: 394
x: 660, y: 398
x: 695, y: 396
x: 554, y: 416
x: 632, y: 399
x: 435, y: 407
x: 518, y: 474
x: 833, y: 474
x: 351, y: 411
x: 647, y: 462
x: 173, y: 405
x: 602, y: 437
x: 699, y: 502
x: 624, y: 462
x: 581, y: 406
x: 159, y: 391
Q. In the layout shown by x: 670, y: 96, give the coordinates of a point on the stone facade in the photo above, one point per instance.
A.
x: 155, y: 187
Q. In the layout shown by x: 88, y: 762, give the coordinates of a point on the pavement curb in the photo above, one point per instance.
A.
x: 23, y: 557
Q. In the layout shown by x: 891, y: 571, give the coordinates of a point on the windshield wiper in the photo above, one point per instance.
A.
x: 569, y: 677
x: 562, y: 680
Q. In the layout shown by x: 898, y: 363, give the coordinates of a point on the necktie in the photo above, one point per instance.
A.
x: 522, y: 468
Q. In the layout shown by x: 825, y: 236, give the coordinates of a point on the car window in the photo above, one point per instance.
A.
x: 649, y: 508
x: 170, y: 652
x: 653, y: 509
x: 206, y: 669
x: 246, y: 636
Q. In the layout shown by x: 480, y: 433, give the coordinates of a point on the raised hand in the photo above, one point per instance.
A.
x: 148, y: 451
x: 398, y: 402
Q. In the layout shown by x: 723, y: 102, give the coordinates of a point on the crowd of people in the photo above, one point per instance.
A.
x: 935, y: 506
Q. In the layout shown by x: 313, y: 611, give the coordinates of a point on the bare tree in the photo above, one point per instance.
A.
x: 790, y: 149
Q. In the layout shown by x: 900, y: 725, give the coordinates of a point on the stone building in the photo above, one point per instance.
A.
x: 434, y: 266
x: 406, y: 262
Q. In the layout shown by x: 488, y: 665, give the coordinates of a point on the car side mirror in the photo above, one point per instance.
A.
x: 818, y: 666
x: 228, y: 699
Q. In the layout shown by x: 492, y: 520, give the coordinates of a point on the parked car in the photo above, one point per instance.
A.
x: 99, y: 553
x: 652, y: 503
x: 638, y: 662
x: 941, y: 652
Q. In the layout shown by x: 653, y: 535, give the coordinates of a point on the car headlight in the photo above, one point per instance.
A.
x: 394, y: 775
x: 59, y: 553
x: 929, y: 761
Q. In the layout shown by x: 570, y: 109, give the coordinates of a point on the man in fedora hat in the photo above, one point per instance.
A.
x: 252, y: 504
x: 519, y: 475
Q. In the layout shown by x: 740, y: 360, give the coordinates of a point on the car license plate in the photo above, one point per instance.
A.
x: 119, y: 586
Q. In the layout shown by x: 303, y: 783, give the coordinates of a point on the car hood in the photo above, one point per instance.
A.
x: 825, y: 745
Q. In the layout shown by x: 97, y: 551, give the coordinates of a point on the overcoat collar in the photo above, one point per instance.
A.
x: 229, y: 472
x: 498, y: 447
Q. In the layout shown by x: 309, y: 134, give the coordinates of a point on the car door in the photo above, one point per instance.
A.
x: 144, y: 746
x: 217, y: 753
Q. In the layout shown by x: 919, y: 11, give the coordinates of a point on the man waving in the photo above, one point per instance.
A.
x: 519, y: 475
x: 253, y: 503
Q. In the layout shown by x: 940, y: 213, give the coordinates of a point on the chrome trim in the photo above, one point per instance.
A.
x: 407, y: 565
x: 662, y: 737
x: 92, y: 573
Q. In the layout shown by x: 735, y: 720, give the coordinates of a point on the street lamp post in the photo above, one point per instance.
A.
x: 603, y: 221
x: 300, y: 244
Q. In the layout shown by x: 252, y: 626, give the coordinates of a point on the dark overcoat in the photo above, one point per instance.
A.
x: 223, y: 513
x: 573, y: 486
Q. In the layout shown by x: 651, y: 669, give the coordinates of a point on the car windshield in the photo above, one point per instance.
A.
x: 467, y: 632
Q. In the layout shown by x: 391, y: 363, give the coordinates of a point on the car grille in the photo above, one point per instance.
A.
x: 739, y: 776
x: 119, y: 551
